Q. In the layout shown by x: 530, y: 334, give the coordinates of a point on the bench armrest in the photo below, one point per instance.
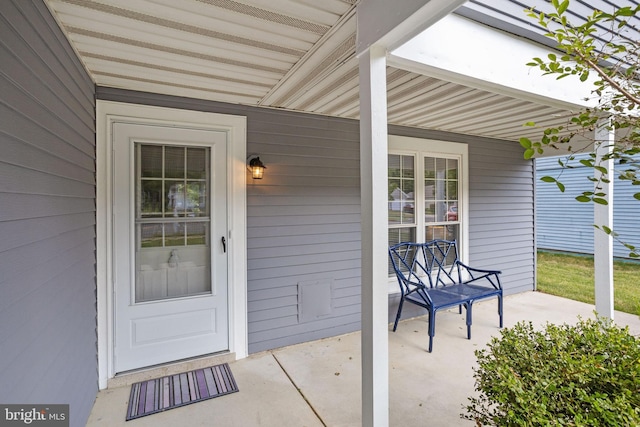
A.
x: 479, y: 270
x: 483, y: 274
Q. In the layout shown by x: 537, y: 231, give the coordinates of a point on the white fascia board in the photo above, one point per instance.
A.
x: 390, y: 24
x: 462, y: 51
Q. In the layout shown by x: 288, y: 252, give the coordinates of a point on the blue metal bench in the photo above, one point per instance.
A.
x: 431, y: 276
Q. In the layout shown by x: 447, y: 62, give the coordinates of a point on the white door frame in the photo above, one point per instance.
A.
x: 108, y: 112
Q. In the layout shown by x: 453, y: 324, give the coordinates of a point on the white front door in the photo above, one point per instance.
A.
x: 170, y: 243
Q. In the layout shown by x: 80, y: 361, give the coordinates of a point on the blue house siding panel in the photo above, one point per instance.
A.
x: 565, y: 224
x: 47, y: 215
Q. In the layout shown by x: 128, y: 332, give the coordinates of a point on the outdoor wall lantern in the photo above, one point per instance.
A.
x: 256, y: 167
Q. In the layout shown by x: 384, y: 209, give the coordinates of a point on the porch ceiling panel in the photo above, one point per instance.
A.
x: 289, y: 54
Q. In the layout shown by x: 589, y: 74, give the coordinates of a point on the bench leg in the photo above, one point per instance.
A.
x: 432, y: 328
x: 469, y: 307
x: 395, y: 325
x: 500, y: 308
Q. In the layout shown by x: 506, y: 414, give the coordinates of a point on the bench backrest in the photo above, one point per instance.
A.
x: 428, y: 264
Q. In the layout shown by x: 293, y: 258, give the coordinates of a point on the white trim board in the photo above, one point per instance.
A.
x: 107, y: 112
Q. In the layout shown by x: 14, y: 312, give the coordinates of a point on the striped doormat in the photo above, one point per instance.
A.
x: 172, y: 391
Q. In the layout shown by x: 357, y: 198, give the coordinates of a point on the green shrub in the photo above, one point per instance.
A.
x: 582, y: 375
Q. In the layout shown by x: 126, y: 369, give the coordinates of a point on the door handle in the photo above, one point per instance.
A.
x: 224, y: 244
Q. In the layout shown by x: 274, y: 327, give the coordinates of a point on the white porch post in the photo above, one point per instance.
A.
x: 603, y: 216
x: 373, y: 181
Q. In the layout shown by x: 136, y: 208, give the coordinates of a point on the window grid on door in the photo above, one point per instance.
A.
x: 172, y: 206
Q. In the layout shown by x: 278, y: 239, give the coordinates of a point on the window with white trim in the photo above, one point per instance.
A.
x: 427, y: 196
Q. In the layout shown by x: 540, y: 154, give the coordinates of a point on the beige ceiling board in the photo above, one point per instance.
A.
x: 331, y: 91
x: 188, y: 66
x: 100, y: 62
x: 146, y: 13
x: 447, y: 97
x: 255, y: 18
x: 137, y: 33
x: 475, y: 107
x: 291, y: 54
x: 346, y: 103
x: 176, y: 89
x: 178, y: 77
x: 90, y: 41
x: 326, y: 12
x: 331, y: 51
x: 502, y: 115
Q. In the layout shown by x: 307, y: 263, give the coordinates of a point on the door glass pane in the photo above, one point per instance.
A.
x: 173, y: 254
x: 196, y: 199
x: 197, y: 233
x: 174, y: 233
x: 150, y: 198
x: 151, y: 235
x: 174, y: 198
x: 174, y: 162
x: 197, y: 161
x: 151, y: 159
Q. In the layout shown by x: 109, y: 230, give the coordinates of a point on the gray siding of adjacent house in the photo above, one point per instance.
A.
x: 304, y: 216
x: 565, y: 224
x: 47, y: 215
x: 510, y: 15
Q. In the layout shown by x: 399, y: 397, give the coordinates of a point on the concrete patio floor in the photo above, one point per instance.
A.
x: 318, y: 383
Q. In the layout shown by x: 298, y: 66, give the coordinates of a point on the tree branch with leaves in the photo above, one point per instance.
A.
x: 604, y: 45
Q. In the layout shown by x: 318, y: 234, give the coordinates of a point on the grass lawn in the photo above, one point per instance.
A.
x: 571, y: 276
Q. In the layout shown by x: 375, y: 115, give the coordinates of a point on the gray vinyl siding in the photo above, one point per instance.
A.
x: 565, y: 224
x: 303, y: 218
x: 47, y: 215
x: 303, y: 225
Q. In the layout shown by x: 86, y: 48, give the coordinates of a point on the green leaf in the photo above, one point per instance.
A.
x: 548, y: 179
x: 583, y: 199
x: 625, y: 11
x: 530, y: 124
x: 584, y: 76
x: 525, y: 142
x: 563, y: 7
x: 560, y: 186
x: 600, y: 201
x: 528, y: 153
x: 636, y: 196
